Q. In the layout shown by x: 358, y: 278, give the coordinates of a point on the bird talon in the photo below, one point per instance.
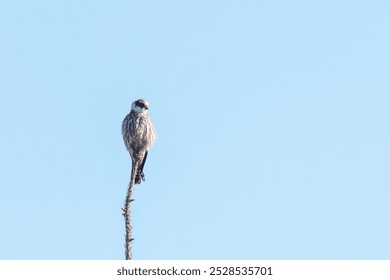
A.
x: 139, y: 176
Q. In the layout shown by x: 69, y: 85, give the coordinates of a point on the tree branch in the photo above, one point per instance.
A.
x: 127, y: 213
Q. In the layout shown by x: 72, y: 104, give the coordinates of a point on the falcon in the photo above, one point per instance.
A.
x: 138, y: 135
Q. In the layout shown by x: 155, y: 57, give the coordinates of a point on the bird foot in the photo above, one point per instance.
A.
x: 139, y: 176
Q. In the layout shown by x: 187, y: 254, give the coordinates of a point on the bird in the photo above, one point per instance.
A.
x: 139, y: 135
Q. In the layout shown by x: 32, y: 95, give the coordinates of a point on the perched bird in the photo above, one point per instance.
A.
x: 139, y: 135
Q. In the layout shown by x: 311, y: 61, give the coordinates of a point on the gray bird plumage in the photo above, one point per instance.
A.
x: 139, y: 135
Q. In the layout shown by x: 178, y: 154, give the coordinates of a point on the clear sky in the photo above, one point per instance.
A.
x: 272, y: 120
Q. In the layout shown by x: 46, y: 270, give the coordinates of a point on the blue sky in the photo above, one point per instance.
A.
x: 272, y: 118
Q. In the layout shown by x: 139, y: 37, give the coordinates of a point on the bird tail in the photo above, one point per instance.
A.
x: 140, y: 172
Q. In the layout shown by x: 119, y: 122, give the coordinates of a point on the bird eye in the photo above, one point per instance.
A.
x: 140, y: 104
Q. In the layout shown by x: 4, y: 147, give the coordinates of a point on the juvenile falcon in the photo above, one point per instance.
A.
x: 139, y: 135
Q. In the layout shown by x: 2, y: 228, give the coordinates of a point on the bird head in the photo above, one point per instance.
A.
x: 140, y: 106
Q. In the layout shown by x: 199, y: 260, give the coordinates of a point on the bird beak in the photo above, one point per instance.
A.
x: 146, y: 107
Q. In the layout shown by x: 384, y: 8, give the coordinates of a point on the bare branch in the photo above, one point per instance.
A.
x: 127, y: 213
